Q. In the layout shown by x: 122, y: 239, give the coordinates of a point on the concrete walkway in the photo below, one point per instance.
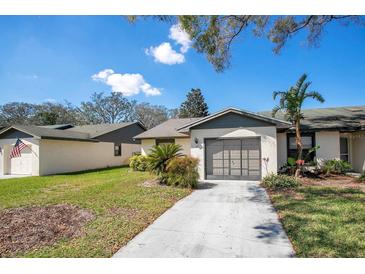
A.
x: 220, y: 219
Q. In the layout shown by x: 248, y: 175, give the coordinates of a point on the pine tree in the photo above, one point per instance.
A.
x: 194, y: 106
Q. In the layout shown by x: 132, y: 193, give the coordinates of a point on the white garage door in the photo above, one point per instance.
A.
x: 23, y: 164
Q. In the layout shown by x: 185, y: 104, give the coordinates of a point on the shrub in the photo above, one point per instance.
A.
x: 182, y: 172
x: 279, y: 181
x: 138, y: 162
x: 336, y: 167
x: 159, y: 157
x: 362, y: 177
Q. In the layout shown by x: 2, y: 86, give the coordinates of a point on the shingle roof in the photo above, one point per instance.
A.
x: 61, y: 126
x: 99, y: 129
x: 340, y: 118
x: 49, y: 133
x: 80, y: 133
x: 167, y: 129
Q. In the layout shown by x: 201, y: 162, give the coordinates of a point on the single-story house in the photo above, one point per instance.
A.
x: 241, y: 145
x: 66, y: 148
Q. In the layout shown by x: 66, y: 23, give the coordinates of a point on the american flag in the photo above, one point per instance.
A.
x: 19, y: 146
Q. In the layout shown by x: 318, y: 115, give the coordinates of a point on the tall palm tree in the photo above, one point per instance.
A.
x: 291, y: 102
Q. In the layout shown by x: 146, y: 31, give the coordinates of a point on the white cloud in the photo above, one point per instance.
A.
x: 102, y: 75
x: 127, y: 84
x: 165, y: 54
x: 180, y: 37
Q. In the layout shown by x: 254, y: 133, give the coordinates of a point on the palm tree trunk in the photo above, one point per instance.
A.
x: 298, y: 140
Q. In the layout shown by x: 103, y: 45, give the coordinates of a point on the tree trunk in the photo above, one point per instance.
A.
x: 298, y: 140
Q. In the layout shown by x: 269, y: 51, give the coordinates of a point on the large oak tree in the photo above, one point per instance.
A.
x: 214, y: 35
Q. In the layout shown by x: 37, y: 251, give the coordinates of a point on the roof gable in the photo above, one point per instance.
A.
x: 231, y: 117
x: 232, y: 120
x: 13, y: 133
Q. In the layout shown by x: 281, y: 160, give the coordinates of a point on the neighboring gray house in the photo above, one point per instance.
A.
x: 237, y: 144
x: 66, y: 148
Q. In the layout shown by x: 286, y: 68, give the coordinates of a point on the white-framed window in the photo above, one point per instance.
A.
x: 344, y: 149
x: 164, y: 141
x: 308, y: 141
x: 117, y: 150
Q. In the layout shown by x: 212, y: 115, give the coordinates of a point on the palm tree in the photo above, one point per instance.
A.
x: 160, y: 155
x: 291, y: 102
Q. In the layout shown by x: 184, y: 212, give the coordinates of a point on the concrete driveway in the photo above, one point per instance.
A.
x: 220, y: 219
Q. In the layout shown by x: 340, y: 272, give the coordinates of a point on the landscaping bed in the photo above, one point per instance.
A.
x: 86, y: 214
x: 324, y: 216
x: 338, y: 181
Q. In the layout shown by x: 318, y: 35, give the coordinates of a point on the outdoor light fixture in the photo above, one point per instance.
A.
x: 196, y: 140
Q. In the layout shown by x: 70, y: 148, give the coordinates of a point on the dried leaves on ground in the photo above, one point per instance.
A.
x: 339, y: 181
x: 26, y: 228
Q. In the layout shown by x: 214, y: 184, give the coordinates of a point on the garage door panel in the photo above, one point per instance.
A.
x: 236, y: 164
x: 254, y: 154
x: 254, y: 164
x: 238, y: 159
x: 21, y: 165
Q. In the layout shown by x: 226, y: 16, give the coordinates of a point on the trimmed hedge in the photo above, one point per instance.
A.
x: 138, y: 163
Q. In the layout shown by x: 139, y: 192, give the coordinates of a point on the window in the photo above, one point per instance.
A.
x: 344, y: 149
x: 308, y: 141
x: 117, y: 150
x: 165, y: 141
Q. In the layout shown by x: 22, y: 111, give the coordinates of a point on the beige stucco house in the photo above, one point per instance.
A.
x: 67, y: 148
x: 242, y: 145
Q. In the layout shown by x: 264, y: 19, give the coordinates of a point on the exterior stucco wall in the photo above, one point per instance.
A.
x: 185, y: 145
x: 329, y: 142
x: 129, y: 150
x: 282, y: 149
x: 358, y: 151
x: 147, y: 144
x: 58, y: 156
x: 6, y: 146
x: 268, y: 144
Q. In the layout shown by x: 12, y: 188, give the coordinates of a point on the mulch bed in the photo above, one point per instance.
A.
x: 26, y: 228
x: 339, y: 181
x: 151, y: 183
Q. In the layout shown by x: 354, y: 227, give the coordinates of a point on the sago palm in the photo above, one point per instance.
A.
x: 291, y: 102
x: 160, y: 155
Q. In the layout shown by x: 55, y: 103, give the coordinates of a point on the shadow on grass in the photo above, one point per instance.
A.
x: 88, y: 171
x: 328, y: 222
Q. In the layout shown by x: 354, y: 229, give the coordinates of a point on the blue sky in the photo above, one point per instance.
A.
x: 54, y: 58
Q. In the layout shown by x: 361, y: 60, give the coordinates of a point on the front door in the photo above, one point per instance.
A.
x: 233, y: 159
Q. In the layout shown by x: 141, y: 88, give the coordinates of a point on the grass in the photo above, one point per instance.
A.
x: 323, y: 221
x: 107, y: 193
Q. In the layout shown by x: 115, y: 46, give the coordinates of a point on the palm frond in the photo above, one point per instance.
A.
x: 315, y: 95
x: 301, y: 81
x: 278, y: 93
x: 275, y: 110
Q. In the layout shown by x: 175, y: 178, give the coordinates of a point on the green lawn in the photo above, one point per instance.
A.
x: 105, y: 193
x: 323, y: 221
